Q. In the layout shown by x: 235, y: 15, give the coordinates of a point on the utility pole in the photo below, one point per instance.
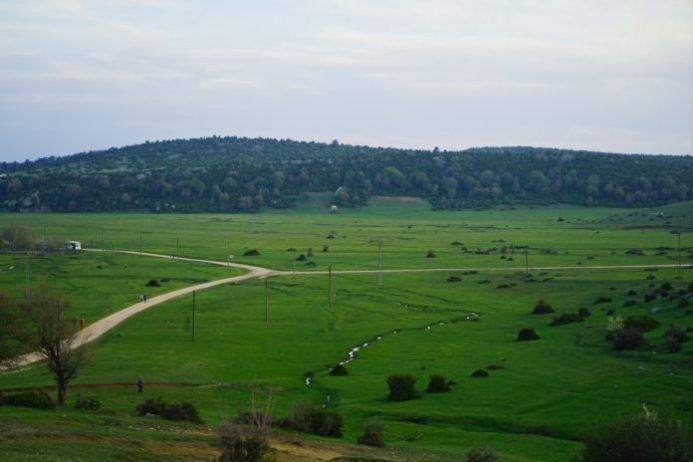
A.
x: 380, y: 263
x: 526, y: 261
x: 266, y: 300
x: 26, y: 274
x: 679, y: 252
x: 329, y: 285
x: 193, y: 317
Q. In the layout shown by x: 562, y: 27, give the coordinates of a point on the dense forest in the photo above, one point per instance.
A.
x: 231, y: 174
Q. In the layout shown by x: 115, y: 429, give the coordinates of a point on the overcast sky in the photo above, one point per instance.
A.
x: 612, y: 75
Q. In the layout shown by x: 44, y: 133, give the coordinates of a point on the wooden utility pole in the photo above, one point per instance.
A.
x: 329, y: 285
x: 526, y: 261
x: 679, y: 252
x: 380, y: 263
x: 266, y: 300
x: 193, y: 317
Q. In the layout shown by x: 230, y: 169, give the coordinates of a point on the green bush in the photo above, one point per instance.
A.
x: 641, y: 322
x: 454, y: 278
x: 402, y: 387
x: 645, y: 437
x: 479, y: 373
x: 481, y: 455
x: 601, y: 300
x: 438, y: 384
x: 526, y: 334
x: 339, y: 369
x: 566, y: 318
x: 87, y: 403
x: 251, y: 253
x: 372, y: 435
x: 431, y: 254
x: 542, y: 308
x: 173, y: 411
x: 307, y: 418
x: 583, y: 312
x: 626, y: 339
x: 37, y: 399
x: 153, y: 283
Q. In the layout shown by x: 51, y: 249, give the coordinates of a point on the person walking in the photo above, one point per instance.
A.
x: 140, y: 385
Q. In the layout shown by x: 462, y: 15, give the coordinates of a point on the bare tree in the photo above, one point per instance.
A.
x: 51, y: 332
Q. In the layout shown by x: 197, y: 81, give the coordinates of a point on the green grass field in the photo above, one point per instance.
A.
x: 536, y: 405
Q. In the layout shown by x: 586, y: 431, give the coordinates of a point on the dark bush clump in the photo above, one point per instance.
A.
x: 628, y: 303
x: 632, y: 293
x: 602, y: 300
x: 457, y: 243
x: 153, y: 283
x: 494, y: 367
x: 243, y: 443
x: 438, y: 384
x: 649, y: 296
x: 251, y: 253
x: 584, y: 312
x: 542, y: 308
x: 36, y: 399
x: 312, y: 419
x: 527, y: 333
x: 87, y: 403
x: 325, y: 248
x: 481, y: 455
x: 454, y: 279
x: 301, y: 257
x: 431, y: 254
x: 641, y: 438
x: 627, y: 339
x: 566, y: 318
x: 173, y: 411
x: 641, y: 322
x: 676, y: 333
x: 372, y: 435
x: 339, y: 369
x: 479, y: 373
x: 402, y: 387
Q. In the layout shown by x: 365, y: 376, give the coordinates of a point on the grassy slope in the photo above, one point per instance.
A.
x: 558, y: 386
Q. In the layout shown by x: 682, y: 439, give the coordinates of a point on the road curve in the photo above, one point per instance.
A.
x: 100, y: 327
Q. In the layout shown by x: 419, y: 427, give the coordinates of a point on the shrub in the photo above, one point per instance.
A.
x: 181, y: 411
x: 372, y: 435
x: 602, y: 300
x: 628, y: 303
x: 87, y: 403
x: 627, y: 339
x: 632, y: 293
x: 479, y: 373
x: 641, y: 322
x: 431, y: 254
x: 527, y: 333
x: 675, y: 333
x: 301, y: 257
x: 457, y: 243
x: 584, y: 312
x: 566, y: 318
x: 251, y: 253
x: 173, y: 411
x: 481, y: 455
x: 36, y: 399
x: 495, y: 367
x: 339, y: 369
x: 402, y: 387
x: 454, y: 279
x: 641, y: 438
x: 243, y: 443
x: 542, y: 308
x: 309, y: 252
x: 438, y: 384
x: 311, y: 419
x: 325, y: 248
x: 672, y: 344
x: 153, y: 283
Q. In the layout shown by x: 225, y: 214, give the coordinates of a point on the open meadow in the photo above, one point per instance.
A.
x: 488, y: 270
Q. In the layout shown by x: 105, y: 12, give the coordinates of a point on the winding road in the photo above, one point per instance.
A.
x: 100, y: 327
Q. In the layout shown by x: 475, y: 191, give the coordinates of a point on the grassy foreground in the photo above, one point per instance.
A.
x: 540, y: 399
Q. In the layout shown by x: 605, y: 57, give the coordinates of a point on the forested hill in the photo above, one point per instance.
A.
x: 244, y: 174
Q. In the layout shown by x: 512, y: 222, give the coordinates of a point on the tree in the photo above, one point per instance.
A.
x: 52, y: 332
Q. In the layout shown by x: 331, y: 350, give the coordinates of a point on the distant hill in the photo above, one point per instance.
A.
x: 231, y: 174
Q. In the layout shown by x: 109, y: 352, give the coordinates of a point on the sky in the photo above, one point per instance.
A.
x: 79, y: 75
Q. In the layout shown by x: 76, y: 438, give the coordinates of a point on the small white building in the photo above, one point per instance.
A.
x: 73, y: 245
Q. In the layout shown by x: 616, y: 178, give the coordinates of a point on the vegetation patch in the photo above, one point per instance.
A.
x: 402, y: 387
